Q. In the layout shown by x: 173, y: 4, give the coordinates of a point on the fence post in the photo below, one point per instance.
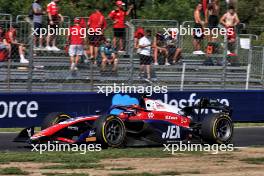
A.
x: 248, y: 76
x: 8, y: 75
x: 31, y: 59
x: 183, y: 76
x: 131, y: 50
x: 262, y: 69
x: 225, y: 62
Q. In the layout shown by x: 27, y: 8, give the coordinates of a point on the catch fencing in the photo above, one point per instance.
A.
x: 50, y: 70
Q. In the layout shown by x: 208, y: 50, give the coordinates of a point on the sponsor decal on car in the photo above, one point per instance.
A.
x: 173, y: 132
x: 150, y: 115
x: 167, y: 117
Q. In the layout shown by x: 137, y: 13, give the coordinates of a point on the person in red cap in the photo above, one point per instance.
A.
x: 98, y: 24
x: 76, y: 41
x: 138, y: 35
x: 118, y: 16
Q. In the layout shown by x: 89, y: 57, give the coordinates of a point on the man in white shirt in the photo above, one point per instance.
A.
x: 145, y: 45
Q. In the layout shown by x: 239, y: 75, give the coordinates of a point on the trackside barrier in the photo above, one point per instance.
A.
x: 29, y: 109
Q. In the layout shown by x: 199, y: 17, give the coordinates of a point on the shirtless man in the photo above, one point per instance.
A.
x: 198, y: 30
x: 212, y: 17
x: 230, y: 20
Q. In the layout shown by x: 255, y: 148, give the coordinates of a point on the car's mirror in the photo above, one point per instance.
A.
x: 97, y: 112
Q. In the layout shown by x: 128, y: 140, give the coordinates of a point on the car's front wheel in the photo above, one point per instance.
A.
x: 217, y: 129
x: 111, y: 131
x: 54, y: 118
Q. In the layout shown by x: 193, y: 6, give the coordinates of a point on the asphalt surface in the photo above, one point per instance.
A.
x: 243, y: 137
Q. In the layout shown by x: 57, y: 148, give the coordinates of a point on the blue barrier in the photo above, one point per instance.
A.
x: 28, y: 109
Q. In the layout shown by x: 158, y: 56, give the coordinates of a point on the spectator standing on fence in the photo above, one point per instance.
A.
x: 212, y: 17
x: 37, y: 20
x: 198, y: 30
x: 76, y: 41
x: 108, y: 55
x: 118, y: 16
x: 16, y: 48
x: 230, y: 20
x: 145, y: 45
x: 96, y: 22
x: 54, y: 19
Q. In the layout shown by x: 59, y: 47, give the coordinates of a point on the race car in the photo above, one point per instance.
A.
x: 149, y: 123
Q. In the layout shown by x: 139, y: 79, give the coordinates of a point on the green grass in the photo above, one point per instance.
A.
x: 136, y: 174
x: 248, y: 124
x: 59, y: 174
x: 17, y: 130
x: 169, y: 173
x: 74, y: 166
x: 12, y: 171
x: 254, y: 160
x: 90, y: 157
x: 122, y: 168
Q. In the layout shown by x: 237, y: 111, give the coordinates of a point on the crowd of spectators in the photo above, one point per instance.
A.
x: 213, y: 22
x: 156, y: 49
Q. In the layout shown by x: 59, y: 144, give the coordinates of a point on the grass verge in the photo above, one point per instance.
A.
x: 12, y: 171
x: 254, y: 160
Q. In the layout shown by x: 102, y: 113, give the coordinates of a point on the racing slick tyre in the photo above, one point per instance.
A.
x: 217, y: 129
x: 54, y: 118
x: 110, y: 131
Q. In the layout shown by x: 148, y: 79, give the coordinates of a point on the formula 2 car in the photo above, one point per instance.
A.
x: 150, y: 123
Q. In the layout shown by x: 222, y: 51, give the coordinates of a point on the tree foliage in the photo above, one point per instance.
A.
x: 250, y: 11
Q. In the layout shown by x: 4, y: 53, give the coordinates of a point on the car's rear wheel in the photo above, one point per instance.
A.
x: 111, y: 131
x: 54, y: 118
x: 217, y: 129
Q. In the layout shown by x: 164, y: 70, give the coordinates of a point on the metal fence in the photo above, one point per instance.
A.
x: 49, y: 71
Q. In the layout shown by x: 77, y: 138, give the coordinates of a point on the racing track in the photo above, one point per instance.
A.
x: 243, y: 137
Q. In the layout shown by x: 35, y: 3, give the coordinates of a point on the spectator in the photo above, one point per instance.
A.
x: 212, y: 17
x: 230, y: 20
x: 96, y: 22
x: 174, y: 51
x: 198, y: 30
x: 145, y: 45
x: 108, y: 55
x: 16, y: 48
x: 4, y: 48
x: 54, y: 19
x: 118, y: 16
x: 138, y: 35
x: 76, y: 41
x: 160, y: 48
x: 37, y: 20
